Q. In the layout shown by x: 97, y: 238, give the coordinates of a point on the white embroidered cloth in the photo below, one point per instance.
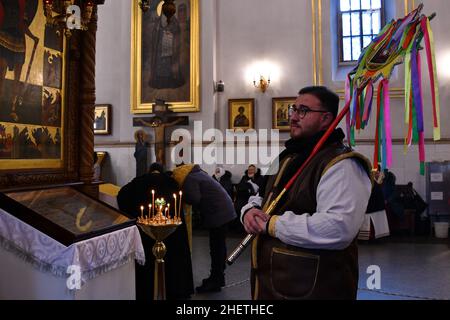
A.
x: 93, y: 256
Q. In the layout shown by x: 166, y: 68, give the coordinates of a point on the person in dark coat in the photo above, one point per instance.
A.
x: 224, y: 178
x: 388, y: 185
x: 216, y: 211
x: 249, y: 186
x: 178, y: 264
x: 376, y: 200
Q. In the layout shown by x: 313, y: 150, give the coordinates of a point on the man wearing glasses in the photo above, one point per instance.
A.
x: 307, y: 249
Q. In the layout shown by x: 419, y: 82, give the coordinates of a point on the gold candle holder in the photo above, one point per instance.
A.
x: 159, y: 226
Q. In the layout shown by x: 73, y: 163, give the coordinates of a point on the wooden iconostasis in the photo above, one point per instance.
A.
x: 47, y: 98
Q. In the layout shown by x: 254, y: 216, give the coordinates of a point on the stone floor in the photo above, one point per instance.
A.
x: 412, y: 268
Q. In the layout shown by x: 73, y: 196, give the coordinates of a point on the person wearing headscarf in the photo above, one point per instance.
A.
x: 178, y: 264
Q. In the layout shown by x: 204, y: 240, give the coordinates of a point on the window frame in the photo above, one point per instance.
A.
x: 340, y: 41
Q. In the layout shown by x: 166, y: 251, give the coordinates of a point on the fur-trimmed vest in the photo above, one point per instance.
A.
x: 281, y: 271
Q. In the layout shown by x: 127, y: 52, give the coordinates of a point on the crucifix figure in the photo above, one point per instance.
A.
x: 159, y: 123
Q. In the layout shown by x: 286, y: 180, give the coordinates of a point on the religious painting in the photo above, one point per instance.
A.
x: 52, y: 69
x: 280, y: 113
x: 31, y: 88
x: 241, y: 113
x: 102, y: 121
x: 51, y: 107
x: 165, y: 56
x: 53, y: 39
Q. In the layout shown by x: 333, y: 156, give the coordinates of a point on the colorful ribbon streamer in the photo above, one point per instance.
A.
x: 398, y: 41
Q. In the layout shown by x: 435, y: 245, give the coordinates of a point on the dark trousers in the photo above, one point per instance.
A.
x: 218, y: 250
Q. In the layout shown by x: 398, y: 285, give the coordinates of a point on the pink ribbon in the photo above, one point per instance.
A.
x: 387, y: 122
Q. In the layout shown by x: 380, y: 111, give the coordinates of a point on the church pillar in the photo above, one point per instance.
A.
x: 87, y: 103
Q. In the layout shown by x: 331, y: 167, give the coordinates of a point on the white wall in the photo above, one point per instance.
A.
x: 234, y: 35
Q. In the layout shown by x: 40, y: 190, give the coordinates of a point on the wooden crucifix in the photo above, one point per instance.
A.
x: 159, y: 123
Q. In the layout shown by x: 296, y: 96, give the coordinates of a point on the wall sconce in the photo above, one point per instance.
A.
x: 70, y: 16
x: 263, y: 84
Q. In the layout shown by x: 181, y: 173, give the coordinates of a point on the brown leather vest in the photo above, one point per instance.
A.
x: 281, y: 271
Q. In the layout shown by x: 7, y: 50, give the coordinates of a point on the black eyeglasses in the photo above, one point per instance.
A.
x: 302, y: 110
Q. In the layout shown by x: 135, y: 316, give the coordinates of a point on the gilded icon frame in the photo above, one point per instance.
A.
x: 33, y: 133
x: 102, y: 120
x: 248, y: 115
x: 280, y: 113
x: 143, y: 93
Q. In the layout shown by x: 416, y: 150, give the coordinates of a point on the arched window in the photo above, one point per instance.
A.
x: 359, y: 21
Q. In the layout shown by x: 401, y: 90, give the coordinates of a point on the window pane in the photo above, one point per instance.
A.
x: 356, y: 30
x: 365, y: 4
x: 376, y: 22
x: 345, y: 5
x: 356, y: 48
x: 346, y: 24
x: 367, y: 22
x: 376, y: 4
x: 347, y: 49
x: 360, y: 23
x: 355, y: 4
x: 366, y: 41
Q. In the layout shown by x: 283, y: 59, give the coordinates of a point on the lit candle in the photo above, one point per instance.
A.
x: 149, y: 210
x: 179, y: 206
x: 175, y: 206
x: 153, y: 201
x: 142, y: 212
x: 168, y: 210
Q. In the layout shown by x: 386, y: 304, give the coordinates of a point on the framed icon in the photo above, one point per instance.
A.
x: 32, y: 94
x: 102, y: 121
x: 241, y: 114
x: 165, y: 57
x: 280, y: 113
